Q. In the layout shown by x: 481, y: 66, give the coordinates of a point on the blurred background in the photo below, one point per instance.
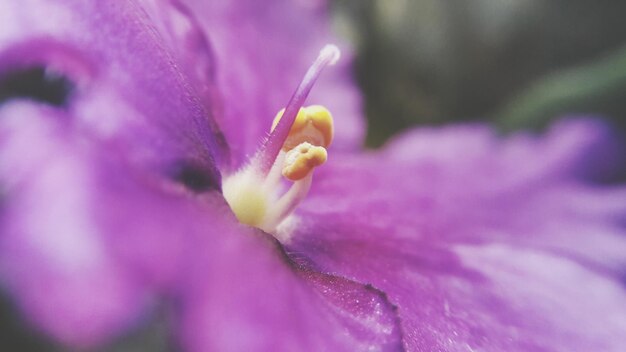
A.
x: 518, y: 64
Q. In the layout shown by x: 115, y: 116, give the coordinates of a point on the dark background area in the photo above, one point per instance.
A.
x: 515, y: 63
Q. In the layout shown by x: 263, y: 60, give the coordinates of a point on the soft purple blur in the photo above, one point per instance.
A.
x: 448, y: 239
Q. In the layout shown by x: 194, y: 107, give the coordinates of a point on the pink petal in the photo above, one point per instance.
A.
x: 482, y: 243
x: 243, y: 294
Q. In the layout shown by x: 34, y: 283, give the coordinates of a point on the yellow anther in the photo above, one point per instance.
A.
x: 313, y: 124
x: 302, y: 159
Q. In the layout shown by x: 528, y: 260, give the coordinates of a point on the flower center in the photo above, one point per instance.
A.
x: 278, y: 177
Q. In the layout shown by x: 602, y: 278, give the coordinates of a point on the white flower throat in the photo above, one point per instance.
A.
x: 297, y: 144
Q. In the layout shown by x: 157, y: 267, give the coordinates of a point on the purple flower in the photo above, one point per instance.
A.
x: 113, y: 157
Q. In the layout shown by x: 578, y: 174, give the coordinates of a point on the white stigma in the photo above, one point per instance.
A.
x: 332, y: 52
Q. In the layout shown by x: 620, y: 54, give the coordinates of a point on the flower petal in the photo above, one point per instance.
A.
x: 465, y: 184
x: 125, y: 83
x: 95, y: 144
x: 53, y: 255
x: 244, y: 295
x: 88, y: 242
x: 483, y: 244
x: 266, y: 47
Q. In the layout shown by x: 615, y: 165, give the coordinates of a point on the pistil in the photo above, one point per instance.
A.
x: 274, y: 143
x: 295, y: 147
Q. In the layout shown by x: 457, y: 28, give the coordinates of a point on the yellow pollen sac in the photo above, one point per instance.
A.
x: 301, y: 160
x: 313, y: 124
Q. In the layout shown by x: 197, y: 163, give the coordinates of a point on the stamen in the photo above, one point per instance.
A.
x: 296, y: 145
x: 313, y: 124
x: 272, y: 146
x: 287, y: 203
x: 301, y: 160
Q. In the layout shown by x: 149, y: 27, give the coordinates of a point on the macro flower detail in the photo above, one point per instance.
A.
x: 287, y: 152
x: 135, y: 178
